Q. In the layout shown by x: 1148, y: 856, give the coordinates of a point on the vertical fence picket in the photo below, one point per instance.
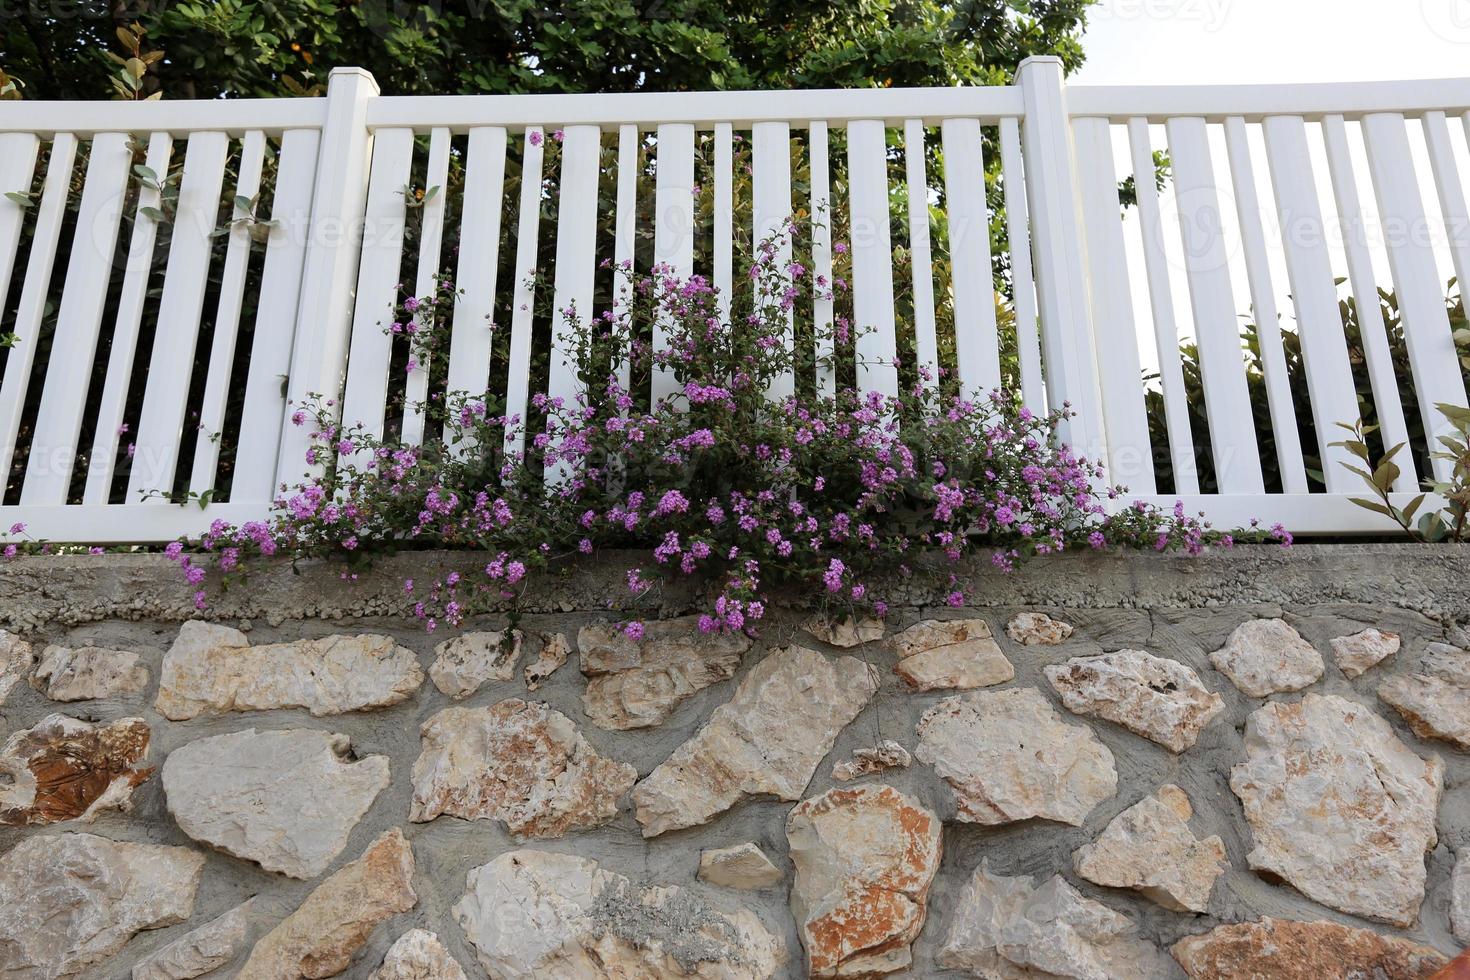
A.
x: 625, y: 238
x: 365, y: 399
x: 27, y: 328
x: 1387, y: 404
x: 108, y: 433
x: 258, y: 457
x: 1161, y: 303
x: 724, y: 208
x: 872, y: 258
x: 926, y: 343
x: 431, y: 244
x: 976, y: 340
x: 576, y: 258
x: 1222, y: 364
x: 771, y: 196
x: 227, y: 317
x: 1432, y: 353
x: 78, y: 323
x: 822, y: 305
x: 1130, y: 454
x: 18, y: 152
x: 523, y: 296
x: 673, y: 228
x: 471, y: 338
x: 185, y: 280
x: 1263, y: 301
x: 1023, y: 285
x: 1450, y: 190
x: 1314, y: 294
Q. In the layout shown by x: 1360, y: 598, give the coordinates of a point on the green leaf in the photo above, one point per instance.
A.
x: 1413, y: 508
x: 1456, y: 414
x: 1372, y: 505
x: 1432, y: 528
x: 19, y: 197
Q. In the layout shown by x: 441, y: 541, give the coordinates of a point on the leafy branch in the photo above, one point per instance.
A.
x: 1452, y: 522
x: 127, y: 81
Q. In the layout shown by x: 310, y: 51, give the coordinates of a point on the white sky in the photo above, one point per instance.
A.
x: 1158, y: 42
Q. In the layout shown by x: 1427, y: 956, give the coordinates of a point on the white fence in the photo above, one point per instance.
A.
x: 87, y: 422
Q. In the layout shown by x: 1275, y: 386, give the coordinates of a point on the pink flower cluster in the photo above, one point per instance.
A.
x: 719, y: 482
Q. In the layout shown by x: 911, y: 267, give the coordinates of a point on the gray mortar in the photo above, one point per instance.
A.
x: 1175, y: 607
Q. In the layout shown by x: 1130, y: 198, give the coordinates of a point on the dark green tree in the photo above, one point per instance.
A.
x: 262, y: 48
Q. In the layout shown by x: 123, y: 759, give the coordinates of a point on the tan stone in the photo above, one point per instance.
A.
x: 468, y: 661
x: 887, y: 754
x: 1149, y: 847
x: 336, y: 919
x: 957, y: 654
x: 1279, y: 949
x: 742, y: 866
x: 847, y: 632
x: 535, y: 914
x: 520, y: 762
x: 555, y: 648
x: 1363, y: 651
x: 766, y: 740
x: 865, y: 858
x: 1013, y: 929
x: 65, y: 769
x: 1338, y: 806
x: 639, y: 683
x: 1008, y: 756
x: 71, y: 900
x: 418, y: 955
x: 286, y: 800
x: 1162, y: 700
x: 1447, y: 663
x: 88, y: 673
x: 1435, y: 701
x: 199, y: 951
x: 213, y: 669
x: 1034, y: 629
x: 16, y: 660
x: 1267, y: 656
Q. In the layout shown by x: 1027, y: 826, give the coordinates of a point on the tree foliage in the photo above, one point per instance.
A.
x: 262, y: 48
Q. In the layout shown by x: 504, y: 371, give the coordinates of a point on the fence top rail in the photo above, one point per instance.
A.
x: 1215, y: 103
x: 799, y: 107
x: 180, y: 116
x: 703, y: 110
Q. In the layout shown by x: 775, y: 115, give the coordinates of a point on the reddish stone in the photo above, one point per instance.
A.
x: 865, y: 859
x: 62, y: 768
x: 1286, y: 950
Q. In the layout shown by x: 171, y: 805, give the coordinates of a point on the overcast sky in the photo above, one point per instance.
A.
x: 1151, y: 42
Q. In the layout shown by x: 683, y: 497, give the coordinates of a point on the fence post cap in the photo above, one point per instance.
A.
x: 347, y: 74
x: 1039, y: 59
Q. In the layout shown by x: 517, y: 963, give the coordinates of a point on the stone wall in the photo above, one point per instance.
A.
x: 1247, y: 764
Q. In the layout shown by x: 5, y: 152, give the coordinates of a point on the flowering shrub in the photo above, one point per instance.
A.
x: 717, y: 480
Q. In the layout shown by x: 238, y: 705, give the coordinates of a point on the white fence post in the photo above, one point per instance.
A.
x: 334, y: 232
x: 1057, y: 246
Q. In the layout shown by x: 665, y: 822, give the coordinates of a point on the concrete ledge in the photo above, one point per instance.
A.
x: 1433, y: 580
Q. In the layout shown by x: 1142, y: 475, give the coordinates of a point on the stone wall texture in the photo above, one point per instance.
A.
x: 1252, y: 764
